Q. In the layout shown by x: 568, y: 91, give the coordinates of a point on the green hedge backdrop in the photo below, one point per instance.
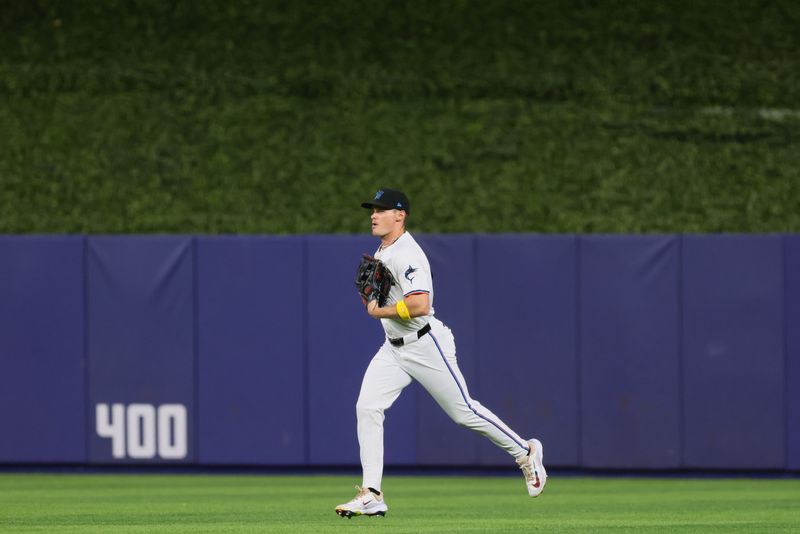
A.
x: 495, y: 116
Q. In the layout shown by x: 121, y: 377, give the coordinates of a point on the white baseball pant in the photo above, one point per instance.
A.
x: 431, y: 361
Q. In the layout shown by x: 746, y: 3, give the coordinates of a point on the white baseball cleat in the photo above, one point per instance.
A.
x: 533, y: 468
x: 364, y: 503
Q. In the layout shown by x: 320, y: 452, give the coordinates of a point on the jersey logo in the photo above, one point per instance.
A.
x: 411, y: 270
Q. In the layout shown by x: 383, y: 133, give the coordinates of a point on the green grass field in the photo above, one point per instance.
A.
x: 297, y: 504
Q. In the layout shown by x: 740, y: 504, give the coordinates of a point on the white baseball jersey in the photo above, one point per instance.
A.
x: 412, y: 274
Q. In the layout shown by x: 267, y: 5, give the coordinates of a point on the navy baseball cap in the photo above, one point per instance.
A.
x: 389, y: 199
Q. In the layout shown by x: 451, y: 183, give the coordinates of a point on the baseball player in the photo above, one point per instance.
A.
x: 418, y: 347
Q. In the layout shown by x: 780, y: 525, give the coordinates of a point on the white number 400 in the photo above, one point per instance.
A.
x: 140, y: 430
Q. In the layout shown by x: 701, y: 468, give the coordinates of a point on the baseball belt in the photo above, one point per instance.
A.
x: 410, y: 338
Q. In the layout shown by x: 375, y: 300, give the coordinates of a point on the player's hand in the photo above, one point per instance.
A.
x: 372, y: 307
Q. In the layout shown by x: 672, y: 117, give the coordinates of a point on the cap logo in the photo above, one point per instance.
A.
x: 378, y: 195
x: 399, y: 205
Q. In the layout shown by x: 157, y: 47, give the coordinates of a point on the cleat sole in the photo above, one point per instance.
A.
x: 349, y: 515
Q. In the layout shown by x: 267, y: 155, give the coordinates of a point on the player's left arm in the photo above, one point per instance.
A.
x: 418, y: 304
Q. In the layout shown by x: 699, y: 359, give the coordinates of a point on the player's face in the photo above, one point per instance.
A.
x: 384, y: 221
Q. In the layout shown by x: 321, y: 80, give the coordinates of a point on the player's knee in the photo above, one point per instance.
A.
x: 464, y: 419
x: 366, y: 410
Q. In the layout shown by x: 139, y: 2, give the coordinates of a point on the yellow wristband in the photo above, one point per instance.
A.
x: 402, y: 310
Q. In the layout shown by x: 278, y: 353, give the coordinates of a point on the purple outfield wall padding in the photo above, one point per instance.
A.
x: 42, y: 402
x: 630, y: 348
x: 792, y: 308
x: 251, y: 360
x: 141, y: 348
x: 452, y: 261
x: 733, y: 351
x: 342, y: 339
x: 527, y: 341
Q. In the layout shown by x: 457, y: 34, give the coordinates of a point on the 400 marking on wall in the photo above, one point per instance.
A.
x: 143, y: 431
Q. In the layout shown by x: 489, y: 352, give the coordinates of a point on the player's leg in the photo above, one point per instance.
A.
x: 382, y: 384
x: 434, y: 365
x: 383, y: 381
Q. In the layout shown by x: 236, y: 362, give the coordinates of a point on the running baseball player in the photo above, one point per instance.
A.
x: 418, y: 347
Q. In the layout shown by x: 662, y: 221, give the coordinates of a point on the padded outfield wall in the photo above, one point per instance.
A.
x: 619, y: 352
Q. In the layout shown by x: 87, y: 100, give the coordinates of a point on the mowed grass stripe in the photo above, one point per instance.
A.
x: 256, y: 503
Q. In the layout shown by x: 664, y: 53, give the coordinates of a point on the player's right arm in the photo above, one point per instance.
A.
x: 417, y: 305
